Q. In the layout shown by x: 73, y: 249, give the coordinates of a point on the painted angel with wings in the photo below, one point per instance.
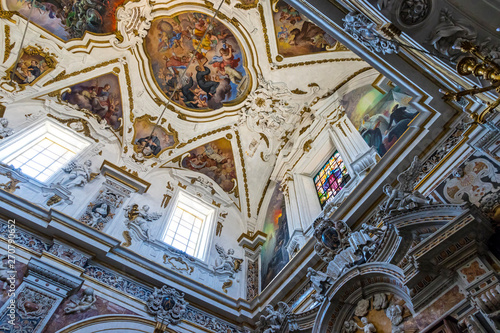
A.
x: 403, y: 197
x: 226, y: 262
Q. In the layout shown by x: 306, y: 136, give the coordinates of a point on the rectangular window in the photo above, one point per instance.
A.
x: 42, y: 151
x: 188, y: 225
x: 331, y: 178
x: 42, y: 159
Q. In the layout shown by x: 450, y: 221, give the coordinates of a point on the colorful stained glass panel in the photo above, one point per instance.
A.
x: 332, y: 177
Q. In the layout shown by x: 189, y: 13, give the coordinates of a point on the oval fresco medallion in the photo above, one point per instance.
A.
x: 215, y: 77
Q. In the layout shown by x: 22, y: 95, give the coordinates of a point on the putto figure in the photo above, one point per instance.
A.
x: 227, y: 263
x: 5, y: 130
x: 404, y: 197
x: 77, y: 175
x: 88, y: 299
x: 138, y: 220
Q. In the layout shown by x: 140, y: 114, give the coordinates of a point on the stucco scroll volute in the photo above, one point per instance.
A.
x: 133, y: 22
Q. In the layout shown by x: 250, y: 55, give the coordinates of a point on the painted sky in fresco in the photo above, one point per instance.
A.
x: 274, y: 255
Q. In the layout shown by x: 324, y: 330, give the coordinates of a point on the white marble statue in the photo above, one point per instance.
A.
x: 139, y: 219
x: 88, y: 299
x: 226, y: 262
x: 367, y: 326
x: 403, y: 197
x: 395, y: 314
x: 5, y: 130
x: 77, y: 175
x: 272, y: 322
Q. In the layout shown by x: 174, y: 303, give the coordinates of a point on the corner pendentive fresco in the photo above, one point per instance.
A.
x: 296, y: 35
x: 215, y: 160
x: 216, y: 76
x: 274, y: 255
x: 101, y: 96
x: 476, y: 181
x: 381, y: 118
x: 33, y: 64
x: 69, y: 19
x: 151, y: 140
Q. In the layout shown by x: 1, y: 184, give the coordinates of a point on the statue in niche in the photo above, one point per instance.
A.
x: 227, y: 263
x: 88, y: 299
x: 5, y: 130
x: 138, y: 220
x: 403, y: 197
x: 77, y: 175
x: 98, y: 214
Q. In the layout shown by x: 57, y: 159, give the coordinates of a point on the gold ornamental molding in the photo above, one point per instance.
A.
x: 8, y: 46
x: 245, y: 183
x: 64, y: 76
x: 68, y: 122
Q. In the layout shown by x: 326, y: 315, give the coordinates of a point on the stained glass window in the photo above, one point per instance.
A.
x: 332, y: 177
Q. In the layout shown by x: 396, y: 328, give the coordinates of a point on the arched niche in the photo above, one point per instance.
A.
x: 356, y: 284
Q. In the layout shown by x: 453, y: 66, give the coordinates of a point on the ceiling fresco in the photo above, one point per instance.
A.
x: 114, y: 87
x: 216, y: 75
x: 101, y: 96
x: 296, y: 35
x: 70, y: 19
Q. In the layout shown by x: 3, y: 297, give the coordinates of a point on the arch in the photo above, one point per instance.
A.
x: 356, y: 283
x: 118, y: 323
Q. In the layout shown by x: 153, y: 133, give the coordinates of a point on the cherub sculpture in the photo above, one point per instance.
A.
x: 403, y: 197
x: 5, y: 130
x: 77, y: 175
x: 272, y: 322
x: 138, y: 220
x: 88, y: 299
x: 227, y: 263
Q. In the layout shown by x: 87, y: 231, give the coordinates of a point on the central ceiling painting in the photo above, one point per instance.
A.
x: 215, y: 77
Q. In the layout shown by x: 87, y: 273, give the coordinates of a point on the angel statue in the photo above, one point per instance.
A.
x: 227, y: 263
x: 88, y: 299
x: 271, y: 323
x: 138, y: 220
x: 77, y: 175
x: 403, y: 197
